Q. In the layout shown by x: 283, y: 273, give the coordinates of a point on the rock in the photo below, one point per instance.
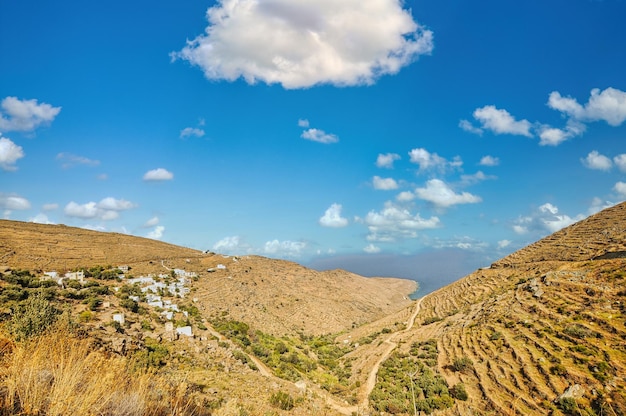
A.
x: 575, y: 391
x: 301, y: 386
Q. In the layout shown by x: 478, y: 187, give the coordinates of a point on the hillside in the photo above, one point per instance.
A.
x: 545, y: 318
x: 541, y: 331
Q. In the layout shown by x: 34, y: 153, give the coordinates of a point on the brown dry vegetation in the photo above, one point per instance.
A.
x: 513, y: 336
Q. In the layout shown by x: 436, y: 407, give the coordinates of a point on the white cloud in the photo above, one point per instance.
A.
x: 432, y: 161
x: 158, y: 174
x: 620, y: 188
x: 319, y: 136
x: 552, y: 136
x: 501, y: 121
x: 156, y: 233
x: 489, y: 161
x: 620, y: 162
x: 9, y: 154
x: 504, y: 244
x: 393, y: 223
x: 151, y: 222
x: 25, y: 115
x: 50, y: 207
x: 92, y: 227
x: 230, y: 244
x: 386, y: 160
x: 332, y: 217
x: 13, y: 202
x: 405, y: 196
x: 371, y: 249
x: 107, y: 209
x: 102, y: 177
x: 110, y: 203
x: 440, y: 194
x: 284, y: 248
x: 308, y: 42
x: 191, y: 131
x: 303, y: 122
x: 546, y: 218
x: 477, y: 177
x: 598, y: 205
x: 69, y: 160
x: 608, y: 105
x: 41, y: 219
x: 469, y: 127
x: 384, y: 184
x: 597, y: 161
x: 88, y: 210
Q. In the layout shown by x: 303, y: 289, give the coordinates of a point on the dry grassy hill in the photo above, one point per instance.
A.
x: 546, y: 318
x: 506, y: 340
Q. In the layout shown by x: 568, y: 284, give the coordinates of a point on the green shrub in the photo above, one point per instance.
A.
x: 282, y: 400
x: 458, y: 392
x: 462, y: 364
x: 32, y: 317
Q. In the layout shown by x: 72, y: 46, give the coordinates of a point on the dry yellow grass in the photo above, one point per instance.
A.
x: 60, y: 374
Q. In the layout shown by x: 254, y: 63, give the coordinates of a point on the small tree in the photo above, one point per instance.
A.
x: 32, y: 317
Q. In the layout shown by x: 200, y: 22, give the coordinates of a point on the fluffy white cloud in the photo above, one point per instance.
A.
x: 384, y: 184
x: 158, y: 174
x: 546, y: 218
x: 469, y: 127
x: 405, y: 196
x: 598, y: 205
x: 489, y: 161
x: 620, y: 188
x: 156, y: 233
x: 69, y: 160
x: 608, y: 105
x: 107, y: 209
x: 230, y: 244
x: 504, y: 244
x: 319, y: 136
x: 371, y: 249
x: 440, y: 194
x: 432, y: 161
x: 597, y: 161
x: 40, y: 219
x: 151, y: 222
x: 332, y: 217
x: 110, y: 203
x: 284, y: 248
x: 620, y: 162
x: 386, y: 160
x: 191, y: 131
x: 88, y: 210
x: 303, y: 122
x: 25, y: 115
x: 552, y: 136
x: 13, y: 202
x: 394, y: 223
x: 501, y: 121
x: 9, y: 154
x: 308, y: 42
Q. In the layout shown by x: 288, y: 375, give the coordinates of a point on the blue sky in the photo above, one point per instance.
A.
x: 329, y: 133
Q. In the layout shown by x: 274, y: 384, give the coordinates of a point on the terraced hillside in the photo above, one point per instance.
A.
x: 549, y: 317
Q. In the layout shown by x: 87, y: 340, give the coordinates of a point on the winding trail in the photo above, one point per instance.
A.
x: 331, y: 401
x: 366, y: 390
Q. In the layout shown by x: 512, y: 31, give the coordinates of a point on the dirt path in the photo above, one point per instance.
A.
x: 331, y: 401
x: 366, y: 390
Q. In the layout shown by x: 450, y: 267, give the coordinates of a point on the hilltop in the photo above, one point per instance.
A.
x: 541, y: 331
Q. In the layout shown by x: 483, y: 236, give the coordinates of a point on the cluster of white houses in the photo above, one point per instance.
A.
x: 153, y: 287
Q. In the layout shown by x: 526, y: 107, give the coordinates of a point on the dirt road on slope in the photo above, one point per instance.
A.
x: 366, y: 390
